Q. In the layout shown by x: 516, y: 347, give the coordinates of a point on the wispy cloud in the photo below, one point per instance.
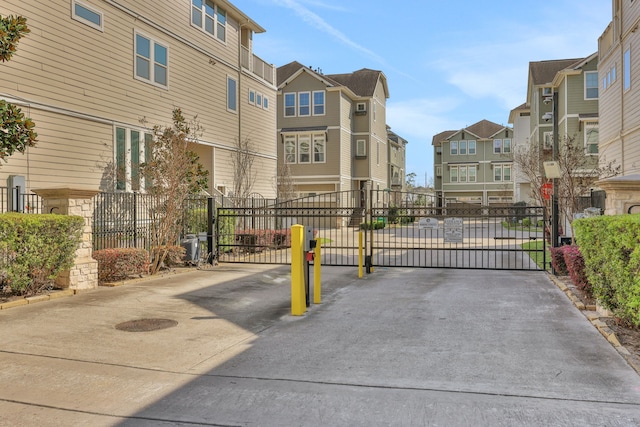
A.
x: 320, y: 24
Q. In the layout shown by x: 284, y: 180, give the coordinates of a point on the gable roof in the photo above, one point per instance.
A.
x: 543, y: 72
x: 362, y: 82
x: 289, y: 71
x: 437, y: 139
x: 484, y: 129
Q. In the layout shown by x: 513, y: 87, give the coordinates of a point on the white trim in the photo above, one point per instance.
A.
x: 235, y: 80
x: 309, y: 105
x: 203, y: 17
x: 152, y: 41
x: 99, y: 27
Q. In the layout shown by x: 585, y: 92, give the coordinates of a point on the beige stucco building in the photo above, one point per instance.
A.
x: 97, y: 75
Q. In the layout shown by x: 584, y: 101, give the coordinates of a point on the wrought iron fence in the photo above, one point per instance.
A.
x: 15, y: 200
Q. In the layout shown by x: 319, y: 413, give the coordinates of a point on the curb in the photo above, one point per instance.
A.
x: 38, y: 298
x: 594, y: 317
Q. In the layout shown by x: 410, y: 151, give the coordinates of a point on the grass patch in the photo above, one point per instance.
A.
x: 324, y: 240
x: 534, y: 250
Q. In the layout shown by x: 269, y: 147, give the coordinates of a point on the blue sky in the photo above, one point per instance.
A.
x: 448, y: 64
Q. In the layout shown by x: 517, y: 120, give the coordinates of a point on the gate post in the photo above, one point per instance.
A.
x: 72, y: 201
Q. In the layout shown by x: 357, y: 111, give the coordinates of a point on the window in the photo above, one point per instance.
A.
x: 361, y: 148
x: 547, y: 91
x: 472, y: 147
x: 438, y: 170
x: 304, y: 149
x: 304, y: 104
x: 289, y: 104
x: 627, y: 69
x: 502, y: 173
x: 591, y: 137
x: 454, y: 148
x: 232, y: 85
x: 209, y: 18
x: 361, y: 107
x: 497, y: 146
x: 259, y: 99
x: 591, y: 85
x: 506, y: 146
x: 87, y: 15
x: 265, y: 102
x: 131, y: 147
x: 462, y: 149
x: 290, y: 149
x: 472, y: 173
x: 318, y: 103
x: 462, y: 174
x: 252, y: 97
x: 319, y: 147
x: 151, y: 62
x: 453, y: 174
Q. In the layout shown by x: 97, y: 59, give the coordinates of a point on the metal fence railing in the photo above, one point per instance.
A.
x: 16, y: 200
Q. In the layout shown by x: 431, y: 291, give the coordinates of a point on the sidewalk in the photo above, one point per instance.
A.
x: 399, y: 347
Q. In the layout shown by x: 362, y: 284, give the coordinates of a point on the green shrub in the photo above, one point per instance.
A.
x: 34, y: 249
x: 540, y: 223
x: 226, y: 230
x: 374, y: 225
x: 526, y: 222
x: 120, y: 263
x: 610, y: 246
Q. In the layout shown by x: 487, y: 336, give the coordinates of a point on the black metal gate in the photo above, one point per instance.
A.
x: 396, y: 229
x: 411, y: 230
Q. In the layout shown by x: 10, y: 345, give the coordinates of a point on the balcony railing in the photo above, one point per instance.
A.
x: 257, y: 66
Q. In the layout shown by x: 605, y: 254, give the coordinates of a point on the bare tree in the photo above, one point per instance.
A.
x: 172, y: 173
x: 242, y: 162
x: 528, y: 159
x: 285, y: 186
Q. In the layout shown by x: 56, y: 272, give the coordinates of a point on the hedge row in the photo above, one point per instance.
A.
x: 34, y: 249
x: 120, y: 263
x: 611, y: 249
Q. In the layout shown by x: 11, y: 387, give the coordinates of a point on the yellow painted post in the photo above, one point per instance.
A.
x: 360, y: 255
x: 317, y: 290
x: 298, y: 299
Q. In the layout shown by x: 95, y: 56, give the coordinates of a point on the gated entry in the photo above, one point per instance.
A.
x: 401, y: 229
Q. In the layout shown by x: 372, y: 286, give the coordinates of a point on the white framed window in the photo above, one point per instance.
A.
x: 506, y: 146
x: 472, y: 147
x: 591, y: 85
x: 497, y: 146
x: 462, y: 174
x: 151, y: 60
x: 304, y: 149
x: 319, y: 148
x: 502, y: 173
x: 210, y: 18
x: 626, y: 66
x: 131, y: 148
x: 252, y: 97
x: 259, y: 99
x: 472, y: 173
x: 361, y: 148
x: 547, y: 91
x: 87, y: 15
x: 453, y: 174
x: 304, y: 104
x: 591, y: 138
x: 361, y: 107
x: 547, y: 139
x: 265, y: 102
x: 462, y: 148
x: 232, y: 94
x: 290, y: 149
x: 318, y: 103
x: 438, y: 170
x: 290, y: 104
x: 453, y: 147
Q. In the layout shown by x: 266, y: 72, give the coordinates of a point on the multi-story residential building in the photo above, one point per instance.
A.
x: 619, y: 72
x: 520, y: 119
x: 332, y: 130
x: 474, y: 165
x: 97, y: 75
x: 397, y: 156
x: 574, y: 84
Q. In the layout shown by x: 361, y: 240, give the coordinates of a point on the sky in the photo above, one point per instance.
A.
x: 449, y: 64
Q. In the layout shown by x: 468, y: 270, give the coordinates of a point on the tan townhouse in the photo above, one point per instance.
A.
x: 97, y: 75
x: 332, y: 130
x: 619, y: 76
x: 473, y: 165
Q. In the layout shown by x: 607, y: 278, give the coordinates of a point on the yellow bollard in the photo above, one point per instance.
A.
x: 317, y: 290
x: 298, y: 298
x: 360, y: 255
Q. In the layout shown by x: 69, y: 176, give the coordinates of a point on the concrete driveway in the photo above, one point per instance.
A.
x: 402, y: 346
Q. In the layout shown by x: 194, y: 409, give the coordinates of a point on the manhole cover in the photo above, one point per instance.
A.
x: 146, y: 325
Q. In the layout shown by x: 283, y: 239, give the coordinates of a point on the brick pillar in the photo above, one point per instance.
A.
x: 622, y: 193
x: 74, y: 201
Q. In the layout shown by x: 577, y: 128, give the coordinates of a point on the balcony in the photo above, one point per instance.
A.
x: 257, y: 66
x: 605, y: 42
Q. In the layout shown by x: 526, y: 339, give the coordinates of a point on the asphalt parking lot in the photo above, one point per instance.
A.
x: 401, y: 346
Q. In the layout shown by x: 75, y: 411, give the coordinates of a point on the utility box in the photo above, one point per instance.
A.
x: 192, y: 248
x: 17, y: 188
x: 309, y: 241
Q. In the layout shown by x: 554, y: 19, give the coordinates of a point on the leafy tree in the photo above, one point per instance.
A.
x: 16, y: 131
x: 173, y: 174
